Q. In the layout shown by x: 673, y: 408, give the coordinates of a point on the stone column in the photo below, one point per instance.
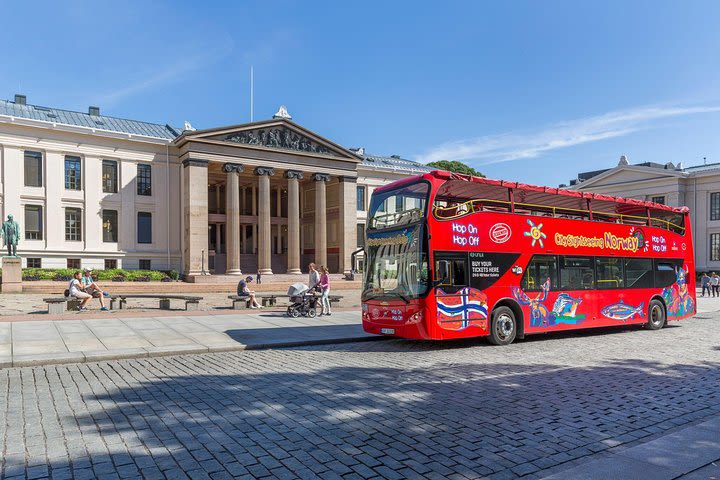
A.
x: 195, y: 211
x: 263, y: 207
x: 320, y: 218
x: 293, y: 256
x: 232, y: 216
x: 347, y: 224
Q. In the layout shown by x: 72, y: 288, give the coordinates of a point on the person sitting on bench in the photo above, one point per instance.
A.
x: 92, y: 288
x: 76, y: 290
x: 244, y: 291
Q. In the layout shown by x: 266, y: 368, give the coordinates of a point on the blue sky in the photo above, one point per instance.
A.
x: 529, y: 91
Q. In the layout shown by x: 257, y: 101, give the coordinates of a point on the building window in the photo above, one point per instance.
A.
x: 144, y: 179
x: 110, y: 264
x: 73, y: 224
x: 715, y: 206
x: 361, y: 235
x: 73, y: 263
x: 110, y: 226
x: 33, y: 169
x: 73, y: 173
x: 109, y: 176
x: 715, y: 247
x: 34, y: 263
x: 361, y: 199
x: 660, y: 199
x: 33, y: 222
x: 144, y: 227
x: 145, y: 264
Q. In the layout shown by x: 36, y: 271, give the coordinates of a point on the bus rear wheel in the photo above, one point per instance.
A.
x: 503, y: 327
x: 656, y: 315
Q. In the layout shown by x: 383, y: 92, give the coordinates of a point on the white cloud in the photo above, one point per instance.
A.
x: 518, y: 145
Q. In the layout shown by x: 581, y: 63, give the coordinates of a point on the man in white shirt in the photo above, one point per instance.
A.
x: 314, y: 277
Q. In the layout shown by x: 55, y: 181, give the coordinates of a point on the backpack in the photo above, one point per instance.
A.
x: 66, y: 292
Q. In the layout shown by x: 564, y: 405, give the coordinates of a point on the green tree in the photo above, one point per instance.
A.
x: 455, y: 166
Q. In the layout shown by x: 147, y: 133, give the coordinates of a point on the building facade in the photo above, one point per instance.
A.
x: 104, y: 192
x: 696, y: 187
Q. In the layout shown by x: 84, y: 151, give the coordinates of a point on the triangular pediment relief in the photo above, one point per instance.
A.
x: 281, y: 135
x: 628, y: 174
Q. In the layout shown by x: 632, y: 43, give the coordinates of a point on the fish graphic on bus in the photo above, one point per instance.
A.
x: 462, y: 309
x: 622, y: 311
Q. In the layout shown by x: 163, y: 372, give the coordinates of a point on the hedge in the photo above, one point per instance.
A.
x: 116, y: 274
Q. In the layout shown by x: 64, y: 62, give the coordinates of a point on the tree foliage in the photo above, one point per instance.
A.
x: 456, y: 167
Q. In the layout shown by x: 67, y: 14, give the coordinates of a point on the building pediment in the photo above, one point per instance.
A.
x: 279, y: 135
x: 629, y: 174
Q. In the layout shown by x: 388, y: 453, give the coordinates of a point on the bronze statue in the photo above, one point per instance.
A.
x: 11, y: 235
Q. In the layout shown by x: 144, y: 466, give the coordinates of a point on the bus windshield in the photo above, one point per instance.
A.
x: 401, y: 206
x: 396, y: 264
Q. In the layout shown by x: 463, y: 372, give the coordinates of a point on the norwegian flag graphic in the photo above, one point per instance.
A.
x: 458, y: 311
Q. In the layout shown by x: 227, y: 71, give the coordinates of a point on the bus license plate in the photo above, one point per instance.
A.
x: 387, y: 331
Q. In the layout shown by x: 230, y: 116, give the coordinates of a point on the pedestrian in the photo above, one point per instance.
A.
x: 705, y: 283
x: 325, y: 287
x: 92, y: 288
x: 258, y: 278
x: 77, y: 290
x: 244, y: 292
x: 313, y: 278
x: 715, y: 284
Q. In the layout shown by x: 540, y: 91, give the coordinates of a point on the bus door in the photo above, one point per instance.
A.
x: 451, y: 272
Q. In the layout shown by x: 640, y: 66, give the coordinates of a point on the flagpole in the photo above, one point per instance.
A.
x: 252, y: 81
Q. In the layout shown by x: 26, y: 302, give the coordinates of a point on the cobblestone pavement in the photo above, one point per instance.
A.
x: 389, y: 409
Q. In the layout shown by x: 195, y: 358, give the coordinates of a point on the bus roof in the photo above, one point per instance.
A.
x: 444, y: 175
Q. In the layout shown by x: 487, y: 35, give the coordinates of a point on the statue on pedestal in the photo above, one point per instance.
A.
x: 11, y: 235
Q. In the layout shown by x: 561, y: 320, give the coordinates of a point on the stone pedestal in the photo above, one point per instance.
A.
x: 11, y: 275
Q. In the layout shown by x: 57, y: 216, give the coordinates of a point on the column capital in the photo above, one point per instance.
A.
x: 347, y: 179
x: 194, y: 162
x: 233, y: 167
x: 321, y: 177
x: 264, y: 171
x: 297, y: 174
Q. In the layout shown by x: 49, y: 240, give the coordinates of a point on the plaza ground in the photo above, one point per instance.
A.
x: 549, y: 405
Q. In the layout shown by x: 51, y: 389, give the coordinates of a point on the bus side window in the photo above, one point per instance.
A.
x: 638, y: 273
x: 451, y: 274
x: 609, y: 272
x: 539, y: 269
x: 577, y: 273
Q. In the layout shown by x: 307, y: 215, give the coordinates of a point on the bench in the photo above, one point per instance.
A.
x: 266, y: 299
x: 55, y: 304
x: 191, y: 302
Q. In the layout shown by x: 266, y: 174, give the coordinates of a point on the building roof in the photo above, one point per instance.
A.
x: 393, y: 162
x: 79, y: 119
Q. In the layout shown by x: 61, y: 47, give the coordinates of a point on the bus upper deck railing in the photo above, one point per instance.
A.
x: 452, y: 212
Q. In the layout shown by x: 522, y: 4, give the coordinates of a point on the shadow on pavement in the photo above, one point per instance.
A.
x: 192, y: 415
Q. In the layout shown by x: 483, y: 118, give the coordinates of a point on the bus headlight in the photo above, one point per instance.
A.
x: 416, y: 317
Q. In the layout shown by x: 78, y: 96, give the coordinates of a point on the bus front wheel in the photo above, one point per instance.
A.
x: 656, y: 315
x: 503, y: 327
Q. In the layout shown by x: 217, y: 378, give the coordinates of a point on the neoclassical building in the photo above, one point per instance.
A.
x: 105, y: 192
x: 697, y: 187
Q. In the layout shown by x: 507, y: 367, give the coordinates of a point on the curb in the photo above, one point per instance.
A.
x: 151, y: 352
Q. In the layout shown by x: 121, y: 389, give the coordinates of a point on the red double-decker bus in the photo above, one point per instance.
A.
x: 451, y: 256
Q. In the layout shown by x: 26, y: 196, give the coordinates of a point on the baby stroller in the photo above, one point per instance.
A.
x: 302, y: 301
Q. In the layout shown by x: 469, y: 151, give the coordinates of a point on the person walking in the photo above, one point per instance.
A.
x: 325, y: 288
x: 77, y: 290
x: 92, y: 288
x: 715, y: 284
x: 313, y: 277
x: 705, y: 283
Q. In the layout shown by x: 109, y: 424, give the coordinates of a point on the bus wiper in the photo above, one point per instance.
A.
x: 403, y: 298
